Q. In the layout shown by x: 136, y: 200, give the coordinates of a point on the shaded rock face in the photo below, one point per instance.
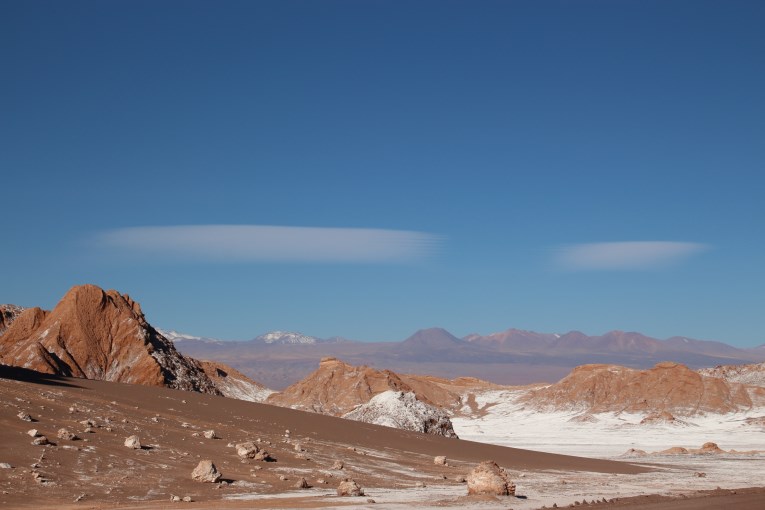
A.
x: 234, y: 384
x: 668, y: 387
x: 8, y: 314
x: 489, y: 478
x: 403, y: 411
x: 97, y: 334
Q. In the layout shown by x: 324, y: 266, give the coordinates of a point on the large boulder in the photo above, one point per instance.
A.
x: 206, y: 472
x: 488, y: 478
x: 349, y: 488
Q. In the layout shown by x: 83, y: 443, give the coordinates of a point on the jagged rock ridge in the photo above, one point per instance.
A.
x: 97, y: 334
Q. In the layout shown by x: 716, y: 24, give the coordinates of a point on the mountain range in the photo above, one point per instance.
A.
x: 514, y: 356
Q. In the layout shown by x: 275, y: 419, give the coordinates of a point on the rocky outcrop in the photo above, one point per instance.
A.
x: 97, y: 334
x: 668, y: 387
x: 8, y: 314
x: 489, y: 478
x: 403, y: 411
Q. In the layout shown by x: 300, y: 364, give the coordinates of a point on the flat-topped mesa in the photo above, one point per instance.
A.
x: 668, y: 386
x: 97, y: 334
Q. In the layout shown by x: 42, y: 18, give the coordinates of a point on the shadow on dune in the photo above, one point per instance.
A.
x: 26, y: 375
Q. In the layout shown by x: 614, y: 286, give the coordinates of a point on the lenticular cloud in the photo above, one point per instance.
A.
x: 252, y: 243
x: 625, y: 255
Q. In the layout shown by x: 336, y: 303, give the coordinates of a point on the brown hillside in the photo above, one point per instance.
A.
x: 336, y: 388
x: 668, y: 386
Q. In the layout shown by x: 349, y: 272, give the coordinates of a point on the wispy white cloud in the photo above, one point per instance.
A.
x: 630, y: 255
x: 254, y: 243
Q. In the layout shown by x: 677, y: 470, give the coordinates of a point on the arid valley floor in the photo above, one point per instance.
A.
x: 394, y: 467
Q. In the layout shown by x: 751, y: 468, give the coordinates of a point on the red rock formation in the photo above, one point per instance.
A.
x: 336, y: 388
x: 669, y: 387
x: 102, y: 335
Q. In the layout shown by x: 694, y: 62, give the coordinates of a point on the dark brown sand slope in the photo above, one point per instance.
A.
x: 101, y: 471
x: 719, y: 499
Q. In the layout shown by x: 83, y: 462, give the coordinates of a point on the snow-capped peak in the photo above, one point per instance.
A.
x: 175, y: 336
x: 286, y: 337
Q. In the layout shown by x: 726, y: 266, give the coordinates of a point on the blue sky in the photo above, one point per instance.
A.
x: 367, y: 169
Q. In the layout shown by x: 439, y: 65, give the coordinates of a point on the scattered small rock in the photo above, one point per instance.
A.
x: 175, y: 499
x: 349, y: 488
x: 187, y: 499
x: 370, y: 500
x: 460, y: 479
x: 283, y: 478
x: 302, y: 484
x: 25, y: 416
x: 33, y: 432
x: 700, y: 474
x: 440, y: 460
x: 210, y: 434
x: 337, y: 465
x: 206, y: 472
x: 40, y: 441
x: 133, y: 442
x: 5, y: 465
x: 420, y: 485
x: 249, y: 450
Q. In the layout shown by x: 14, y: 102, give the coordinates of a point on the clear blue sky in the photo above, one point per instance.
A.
x: 504, y: 140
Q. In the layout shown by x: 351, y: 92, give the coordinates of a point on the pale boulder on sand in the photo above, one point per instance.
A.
x: 133, y: 442
x: 488, y: 478
x: 206, y: 472
x: 349, y: 488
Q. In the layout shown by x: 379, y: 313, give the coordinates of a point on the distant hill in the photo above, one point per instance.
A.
x: 509, y: 357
